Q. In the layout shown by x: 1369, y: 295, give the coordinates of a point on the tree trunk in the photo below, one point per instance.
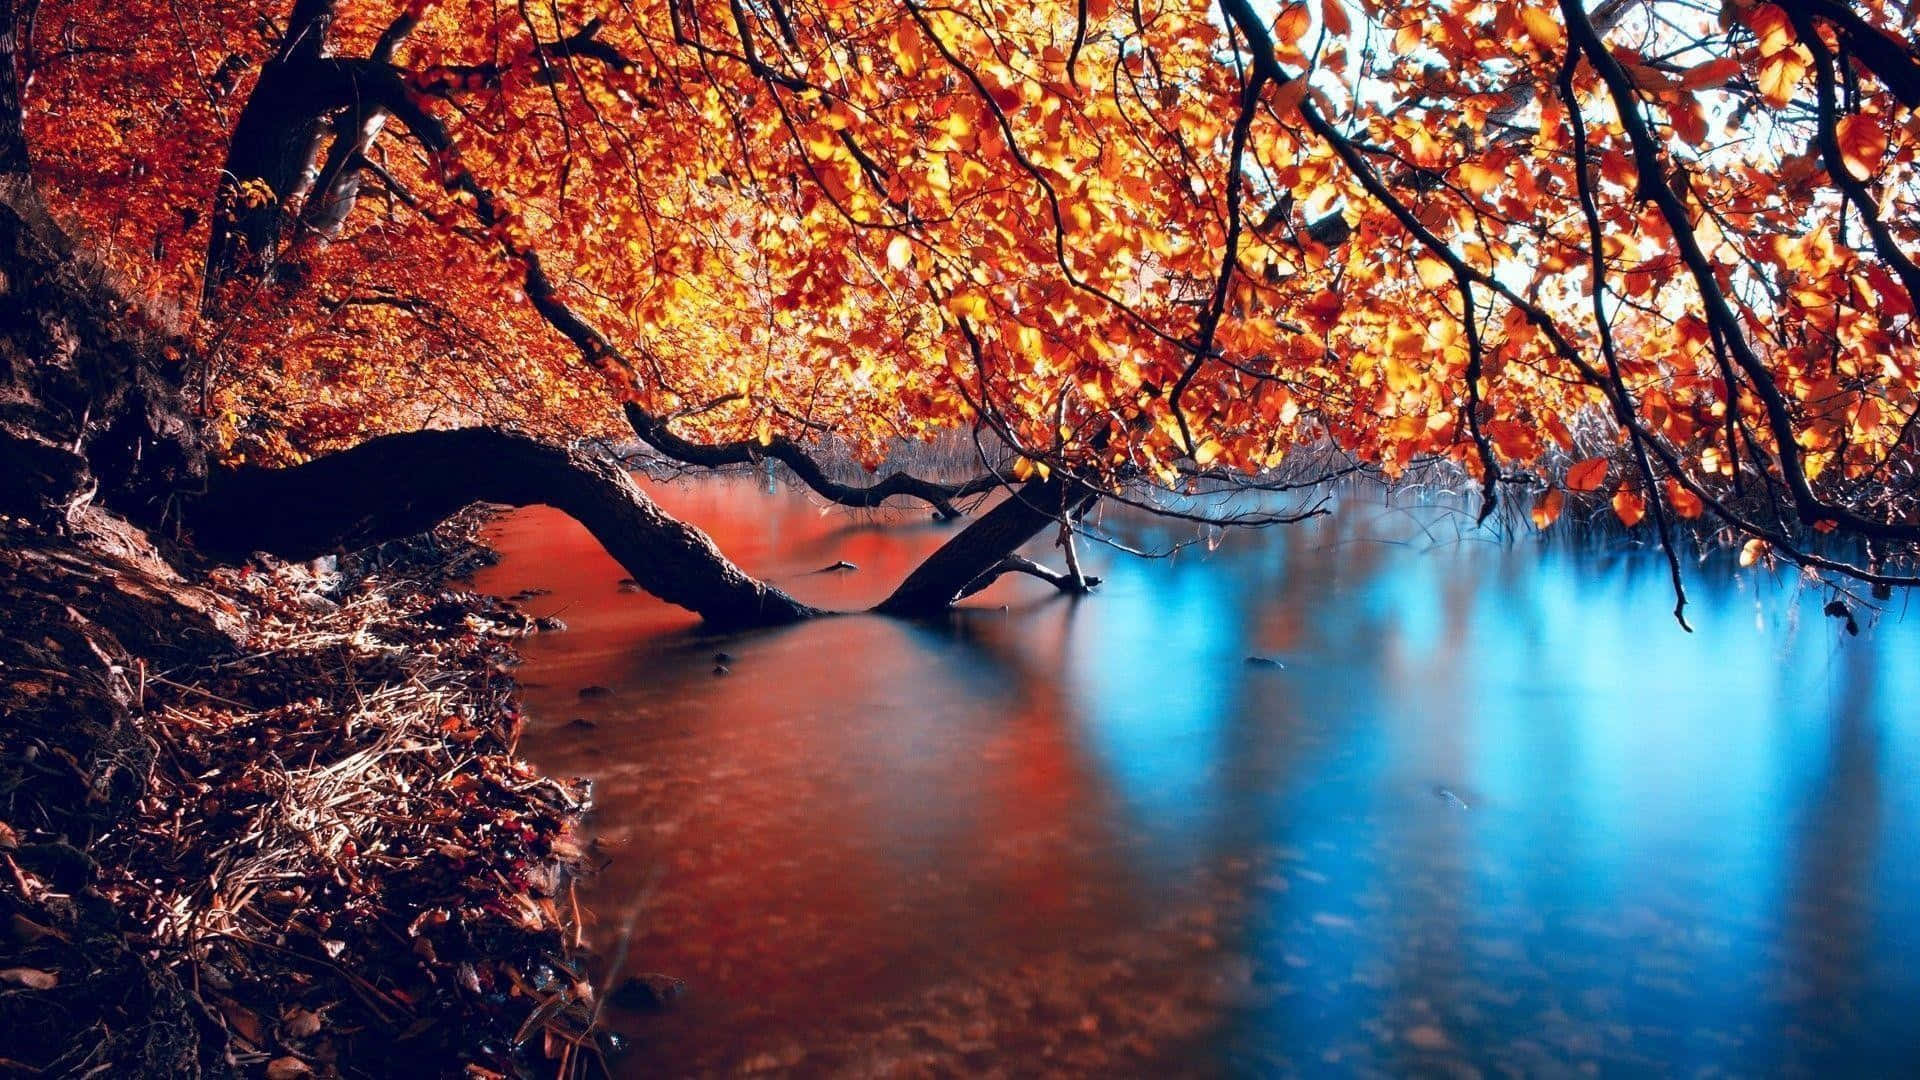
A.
x: 403, y: 484
x: 981, y: 546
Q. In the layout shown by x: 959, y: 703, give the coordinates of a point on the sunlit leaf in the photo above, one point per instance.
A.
x: 1587, y: 475
x: 1546, y: 509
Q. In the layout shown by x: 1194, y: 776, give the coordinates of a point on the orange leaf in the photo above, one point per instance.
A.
x: 1773, y: 27
x: 1709, y: 75
x: 1587, y: 475
x: 1863, y: 142
x: 1780, y: 77
x: 1291, y: 25
x: 1288, y: 96
x: 1685, y: 503
x: 1333, y: 16
x: 1753, y: 551
x: 1547, y: 510
x: 1630, y: 507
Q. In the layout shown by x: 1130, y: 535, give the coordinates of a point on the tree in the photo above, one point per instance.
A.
x: 1649, y: 251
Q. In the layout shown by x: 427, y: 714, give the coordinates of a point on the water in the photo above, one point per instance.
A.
x: 1496, y: 814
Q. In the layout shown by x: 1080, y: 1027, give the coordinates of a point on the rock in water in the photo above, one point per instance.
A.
x: 1264, y: 662
x: 648, y: 993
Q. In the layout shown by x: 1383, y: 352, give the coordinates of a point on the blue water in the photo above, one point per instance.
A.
x: 1495, y: 814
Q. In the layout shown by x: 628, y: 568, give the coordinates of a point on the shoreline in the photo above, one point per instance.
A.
x: 272, y: 820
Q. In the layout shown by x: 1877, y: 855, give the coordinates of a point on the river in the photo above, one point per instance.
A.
x: 1492, y: 812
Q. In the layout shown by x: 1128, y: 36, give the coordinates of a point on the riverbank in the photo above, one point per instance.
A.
x: 271, y: 820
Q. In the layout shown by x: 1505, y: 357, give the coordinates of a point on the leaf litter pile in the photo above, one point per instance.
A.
x: 272, y: 823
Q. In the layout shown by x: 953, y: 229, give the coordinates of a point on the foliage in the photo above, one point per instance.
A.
x: 1145, y: 242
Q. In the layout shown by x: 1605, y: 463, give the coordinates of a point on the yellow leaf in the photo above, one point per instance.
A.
x: 1753, y: 551
x: 969, y: 306
x: 1479, y: 178
x: 899, y: 252
x: 1780, y: 76
x: 1543, y: 29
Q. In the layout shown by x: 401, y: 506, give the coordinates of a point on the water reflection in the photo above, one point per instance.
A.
x: 1496, y: 813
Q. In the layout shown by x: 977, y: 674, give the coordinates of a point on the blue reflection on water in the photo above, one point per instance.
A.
x: 1519, y: 816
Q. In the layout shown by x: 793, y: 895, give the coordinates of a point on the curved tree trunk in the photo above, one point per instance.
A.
x: 403, y: 484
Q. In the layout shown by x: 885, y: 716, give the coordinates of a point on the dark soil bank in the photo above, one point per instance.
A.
x: 269, y: 821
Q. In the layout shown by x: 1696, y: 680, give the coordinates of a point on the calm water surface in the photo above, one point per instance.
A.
x: 1496, y: 815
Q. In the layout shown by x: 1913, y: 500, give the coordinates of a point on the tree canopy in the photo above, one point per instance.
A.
x: 1656, y: 250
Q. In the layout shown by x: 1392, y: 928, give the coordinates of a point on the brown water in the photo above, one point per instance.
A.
x: 1496, y: 815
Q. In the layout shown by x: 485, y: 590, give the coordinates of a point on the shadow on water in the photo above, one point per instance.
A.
x: 1492, y: 811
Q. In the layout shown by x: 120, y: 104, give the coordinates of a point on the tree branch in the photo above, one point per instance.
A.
x: 654, y: 433
x: 1020, y: 564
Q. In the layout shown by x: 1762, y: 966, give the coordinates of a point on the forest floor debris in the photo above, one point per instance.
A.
x: 272, y: 823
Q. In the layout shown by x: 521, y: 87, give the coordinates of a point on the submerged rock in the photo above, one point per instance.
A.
x: 648, y: 993
x: 595, y: 692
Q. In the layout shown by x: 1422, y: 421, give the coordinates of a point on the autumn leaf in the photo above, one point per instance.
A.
x: 1542, y: 29
x: 1685, y: 503
x: 288, y: 1068
x: 1780, y: 76
x: 1288, y: 96
x: 31, y: 978
x: 1753, y: 551
x: 1863, y: 143
x: 1546, y: 510
x: 1291, y: 24
x: 1629, y: 507
x: 744, y: 232
x: 899, y: 252
x: 1333, y: 16
x: 1709, y: 75
x: 1587, y: 475
x: 1772, y: 27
